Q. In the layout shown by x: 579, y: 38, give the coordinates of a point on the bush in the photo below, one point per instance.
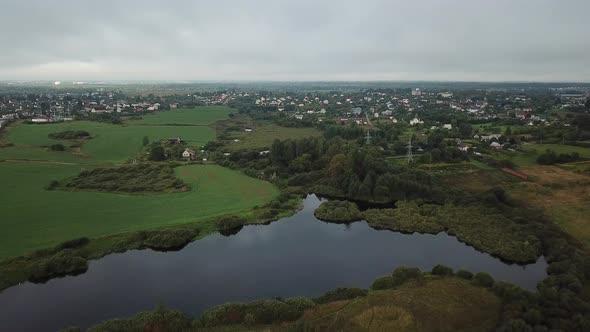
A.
x: 338, y: 211
x: 404, y: 273
x: 69, y: 134
x: 398, y: 277
x: 442, y: 270
x: 57, y: 147
x: 259, y: 312
x: 340, y: 294
x: 465, y: 274
x: 168, y: 239
x: 71, y: 244
x: 483, y: 279
x: 53, y: 184
x: 61, y: 264
x: 161, y: 320
x: 385, y: 282
x: 230, y: 222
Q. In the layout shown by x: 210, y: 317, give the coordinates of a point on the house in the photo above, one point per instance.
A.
x: 265, y: 152
x: 174, y: 140
x: 248, y: 130
x: 415, y: 121
x: 496, y: 145
x: 188, y: 154
x: 490, y: 137
x: 448, y: 126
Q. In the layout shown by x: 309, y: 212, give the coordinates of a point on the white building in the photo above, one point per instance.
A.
x: 416, y: 121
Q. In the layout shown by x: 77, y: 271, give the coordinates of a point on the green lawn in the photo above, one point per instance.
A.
x: 201, y: 115
x: 33, y: 217
x: 110, y: 143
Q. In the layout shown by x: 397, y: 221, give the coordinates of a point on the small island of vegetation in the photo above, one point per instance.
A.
x: 338, y: 211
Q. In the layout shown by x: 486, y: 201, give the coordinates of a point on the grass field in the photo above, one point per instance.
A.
x: 33, y: 217
x: 529, y: 153
x: 564, y: 196
x: 111, y: 143
x: 202, y: 115
x: 262, y: 135
x: 449, y: 304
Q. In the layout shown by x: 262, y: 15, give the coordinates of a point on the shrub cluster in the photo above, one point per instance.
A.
x: 397, y: 278
x: 130, y: 179
x: 69, y: 134
x: 338, y: 211
x: 259, y: 312
x: 340, y: 294
x: 57, y: 147
x: 62, y: 263
x: 168, y: 239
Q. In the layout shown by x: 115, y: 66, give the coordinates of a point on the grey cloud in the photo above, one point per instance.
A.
x: 295, y: 40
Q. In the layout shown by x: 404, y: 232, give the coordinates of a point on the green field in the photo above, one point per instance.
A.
x: 202, y: 115
x: 110, y: 143
x: 263, y: 135
x: 33, y: 217
x: 529, y: 153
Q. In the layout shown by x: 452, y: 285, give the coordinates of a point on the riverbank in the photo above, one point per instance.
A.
x: 484, y: 227
x: 71, y: 257
x: 414, y: 303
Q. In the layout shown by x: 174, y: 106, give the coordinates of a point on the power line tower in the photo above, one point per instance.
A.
x: 368, y: 137
x: 409, y: 157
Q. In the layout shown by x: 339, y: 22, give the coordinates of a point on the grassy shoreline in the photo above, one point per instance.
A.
x: 412, y: 302
x: 71, y: 257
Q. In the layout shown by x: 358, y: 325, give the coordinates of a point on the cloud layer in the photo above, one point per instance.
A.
x: 526, y: 40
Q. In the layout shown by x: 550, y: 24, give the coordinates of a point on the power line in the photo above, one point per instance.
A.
x: 409, y: 156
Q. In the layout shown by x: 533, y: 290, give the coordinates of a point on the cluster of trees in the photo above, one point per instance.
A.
x: 138, y: 178
x: 550, y: 157
x: 160, y: 151
x: 69, y: 134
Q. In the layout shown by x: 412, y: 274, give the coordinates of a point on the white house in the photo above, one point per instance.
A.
x: 448, y: 126
x: 415, y: 121
x: 188, y: 153
x: 496, y: 145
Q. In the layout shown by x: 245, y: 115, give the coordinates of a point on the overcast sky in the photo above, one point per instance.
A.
x: 493, y: 40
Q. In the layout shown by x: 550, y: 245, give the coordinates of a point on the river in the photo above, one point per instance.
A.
x: 295, y: 256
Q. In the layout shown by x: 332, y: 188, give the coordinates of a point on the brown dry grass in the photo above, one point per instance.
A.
x: 564, y: 196
x: 448, y: 304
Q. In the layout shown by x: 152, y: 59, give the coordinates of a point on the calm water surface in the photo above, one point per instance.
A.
x: 296, y: 256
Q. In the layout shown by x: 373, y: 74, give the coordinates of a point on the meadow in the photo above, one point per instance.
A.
x: 109, y: 142
x: 263, y: 135
x: 33, y: 217
x: 528, y: 153
x: 202, y: 115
